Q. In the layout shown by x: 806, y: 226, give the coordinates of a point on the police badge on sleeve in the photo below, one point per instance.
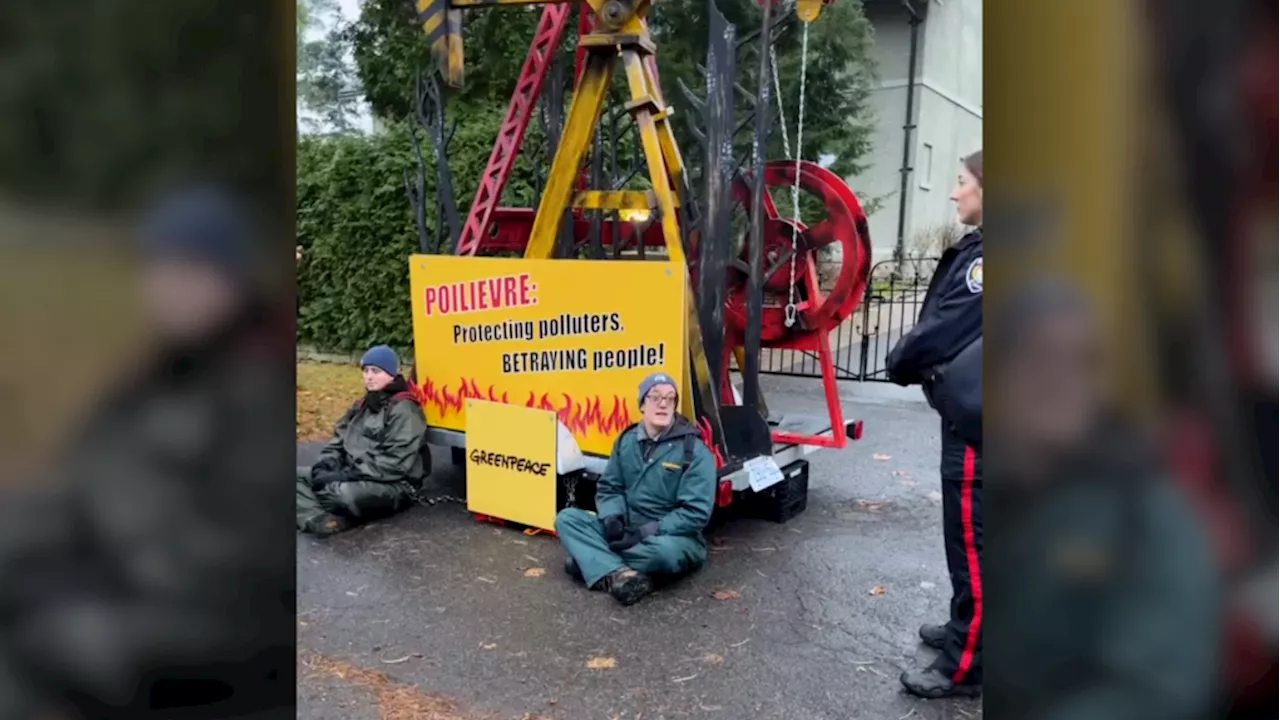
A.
x: 973, y: 276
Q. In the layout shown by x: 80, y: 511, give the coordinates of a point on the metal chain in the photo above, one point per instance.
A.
x: 795, y: 188
x: 439, y: 499
x: 570, y: 492
x: 777, y: 92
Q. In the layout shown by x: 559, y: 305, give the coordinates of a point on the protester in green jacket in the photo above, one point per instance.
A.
x: 1107, y: 599
x: 653, y: 501
x: 373, y: 464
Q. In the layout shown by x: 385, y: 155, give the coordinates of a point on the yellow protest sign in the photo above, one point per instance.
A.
x: 511, y: 463
x: 574, y: 337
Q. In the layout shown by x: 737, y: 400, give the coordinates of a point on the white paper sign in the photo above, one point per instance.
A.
x: 762, y: 472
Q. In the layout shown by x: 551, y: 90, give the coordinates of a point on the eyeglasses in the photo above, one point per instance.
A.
x: 660, y: 399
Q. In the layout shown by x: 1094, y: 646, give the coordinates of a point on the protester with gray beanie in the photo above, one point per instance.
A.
x: 652, y: 503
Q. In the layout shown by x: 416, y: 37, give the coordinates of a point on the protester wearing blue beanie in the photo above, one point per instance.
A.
x: 383, y: 358
x: 205, y: 225
x: 375, y: 461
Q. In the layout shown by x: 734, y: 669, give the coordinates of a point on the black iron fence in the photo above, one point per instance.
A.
x: 859, y: 345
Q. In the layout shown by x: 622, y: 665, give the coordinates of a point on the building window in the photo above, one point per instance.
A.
x: 926, y: 167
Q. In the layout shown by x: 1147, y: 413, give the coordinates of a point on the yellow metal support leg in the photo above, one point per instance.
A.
x: 666, y: 173
x: 643, y: 107
x: 584, y: 115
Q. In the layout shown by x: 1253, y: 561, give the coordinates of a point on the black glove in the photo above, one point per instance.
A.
x: 634, y: 536
x: 329, y: 463
x: 899, y: 378
x: 613, y: 527
x: 895, y: 373
x: 326, y: 475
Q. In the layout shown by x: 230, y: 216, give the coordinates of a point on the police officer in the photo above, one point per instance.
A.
x: 951, y: 321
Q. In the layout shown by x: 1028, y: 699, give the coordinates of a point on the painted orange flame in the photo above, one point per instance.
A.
x: 446, y: 402
x: 582, y: 418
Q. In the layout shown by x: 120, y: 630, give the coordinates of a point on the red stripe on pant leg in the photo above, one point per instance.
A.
x: 975, y: 569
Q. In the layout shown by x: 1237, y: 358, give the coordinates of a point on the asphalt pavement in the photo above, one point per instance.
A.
x: 433, y: 615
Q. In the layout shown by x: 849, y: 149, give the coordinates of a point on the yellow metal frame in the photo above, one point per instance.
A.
x: 622, y: 36
x: 632, y: 46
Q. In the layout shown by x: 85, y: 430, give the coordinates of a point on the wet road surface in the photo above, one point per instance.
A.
x: 434, y: 615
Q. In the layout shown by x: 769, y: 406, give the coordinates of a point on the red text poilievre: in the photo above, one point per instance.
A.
x: 498, y: 293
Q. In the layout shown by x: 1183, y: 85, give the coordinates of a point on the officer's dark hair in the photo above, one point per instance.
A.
x: 973, y: 163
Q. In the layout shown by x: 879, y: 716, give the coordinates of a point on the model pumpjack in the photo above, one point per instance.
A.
x: 764, y: 295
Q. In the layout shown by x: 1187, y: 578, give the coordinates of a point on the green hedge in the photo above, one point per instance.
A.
x: 356, y: 227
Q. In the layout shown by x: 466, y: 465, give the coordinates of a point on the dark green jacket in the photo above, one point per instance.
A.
x: 380, y: 438
x: 644, y: 481
x: 1105, y: 600
x: 167, y: 514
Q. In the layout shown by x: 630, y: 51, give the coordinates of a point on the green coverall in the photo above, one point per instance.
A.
x: 644, y: 483
x: 379, y: 444
x: 1110, y: 601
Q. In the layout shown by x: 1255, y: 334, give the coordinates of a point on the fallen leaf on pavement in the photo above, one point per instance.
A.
x: 877, y: 590
x: 488, y: 646
x: 725, y: 595
x: 602, y: 663
x: 871, y: 505
x: 535, y: 572
x: 712, y: 659
x: 880, y: 456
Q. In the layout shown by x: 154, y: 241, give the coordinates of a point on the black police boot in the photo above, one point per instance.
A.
x: 932, y: 684
x: 933, y: 635
x: 571, y: 567
x: 628, y: 587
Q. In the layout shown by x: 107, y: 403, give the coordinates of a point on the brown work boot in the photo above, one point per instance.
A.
x: 628, y: 586
x: 328, y: 524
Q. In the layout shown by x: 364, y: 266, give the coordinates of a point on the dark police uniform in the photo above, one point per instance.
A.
x: 950, y: 321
